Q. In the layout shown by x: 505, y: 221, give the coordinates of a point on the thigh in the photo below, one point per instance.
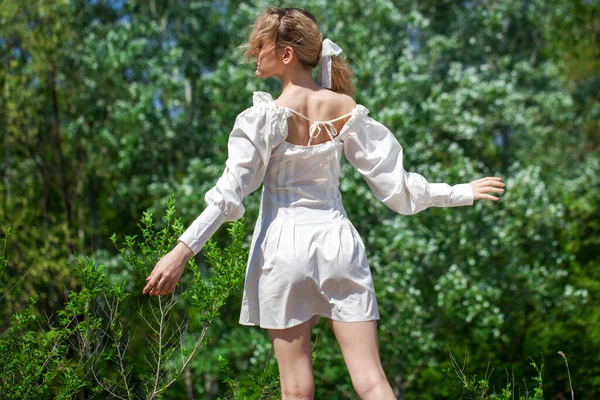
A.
x: 293, y: 351
x: 360, y: 348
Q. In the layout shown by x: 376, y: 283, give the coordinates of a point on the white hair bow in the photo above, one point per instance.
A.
x: 328, y: 50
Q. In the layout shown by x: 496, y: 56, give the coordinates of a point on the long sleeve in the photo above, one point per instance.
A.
x: 376, y: 153
x: 249, y: 148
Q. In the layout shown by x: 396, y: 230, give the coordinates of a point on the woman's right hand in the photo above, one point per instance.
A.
x: 487, y: 184
x: 168, y: 270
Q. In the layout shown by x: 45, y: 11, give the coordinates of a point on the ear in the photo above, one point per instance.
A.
x: 288, y: 55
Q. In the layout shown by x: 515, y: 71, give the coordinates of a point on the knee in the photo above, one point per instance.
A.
x: 370, y: 385
x: 298, y: 390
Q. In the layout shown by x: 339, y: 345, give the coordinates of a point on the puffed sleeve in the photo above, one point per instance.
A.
x: 376, y: 153
x: 249, y: 147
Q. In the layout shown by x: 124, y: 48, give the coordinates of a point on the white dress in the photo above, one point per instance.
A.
x: 306, y: 258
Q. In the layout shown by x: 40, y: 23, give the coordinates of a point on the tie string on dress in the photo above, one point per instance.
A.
x: 329, y: 128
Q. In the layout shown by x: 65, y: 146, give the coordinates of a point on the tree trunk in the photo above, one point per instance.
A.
x: 189, y: 387
x: 96, y: 240
x: 59, y: 157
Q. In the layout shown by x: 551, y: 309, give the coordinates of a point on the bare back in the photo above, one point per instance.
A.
x: 319, y: 105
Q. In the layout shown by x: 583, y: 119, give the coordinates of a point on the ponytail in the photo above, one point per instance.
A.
x: 341, y: 76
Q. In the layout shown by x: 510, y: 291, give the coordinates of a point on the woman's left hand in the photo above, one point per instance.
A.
x: 167, y: 271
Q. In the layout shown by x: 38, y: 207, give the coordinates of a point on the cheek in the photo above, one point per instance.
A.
x: 271, y: 63
x: 268, y: 59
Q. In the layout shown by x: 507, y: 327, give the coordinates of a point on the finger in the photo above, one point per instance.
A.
x: 146, y: 288
x: 490, y: 179
x: 497, y: 183
x: 155, y: 290
x: 173, y: 286
x: 493, y: 189
x: 151, y: 283
x: 148, y: 285
x: 169, y: 288
x: 489, y: 197
x: 165, y: 281
x: 490, y: 182
x: 149, y: 279
x: 480, y: 182
x: 164, y: 291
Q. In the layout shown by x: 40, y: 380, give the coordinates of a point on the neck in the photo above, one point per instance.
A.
x: 296, y: 78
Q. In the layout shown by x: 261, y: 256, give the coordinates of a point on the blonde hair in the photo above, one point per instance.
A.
x: 276, y: 28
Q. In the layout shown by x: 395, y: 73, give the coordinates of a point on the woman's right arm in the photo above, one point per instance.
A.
x: 249, y: 150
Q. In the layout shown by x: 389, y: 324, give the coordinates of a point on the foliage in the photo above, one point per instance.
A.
x: 472, y: 387
x: 110, y: 108
x: 91, y: 337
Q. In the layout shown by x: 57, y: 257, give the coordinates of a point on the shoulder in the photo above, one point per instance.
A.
x: 342, y: 102
x: 262, y: 104
x: 263, y: 121
x: 257, y: 114
x: 261, y: 98
x: 321, y: 104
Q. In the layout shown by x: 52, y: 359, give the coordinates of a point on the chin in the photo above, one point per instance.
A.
x: 266, y: 74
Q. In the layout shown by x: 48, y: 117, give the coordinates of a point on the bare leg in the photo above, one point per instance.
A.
x: 293, y: 351
x: 360, y: 348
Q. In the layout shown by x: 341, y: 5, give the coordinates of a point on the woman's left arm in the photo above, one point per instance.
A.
x: 374, y: 151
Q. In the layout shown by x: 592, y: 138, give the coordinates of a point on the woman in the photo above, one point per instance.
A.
x: 306, y: 259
